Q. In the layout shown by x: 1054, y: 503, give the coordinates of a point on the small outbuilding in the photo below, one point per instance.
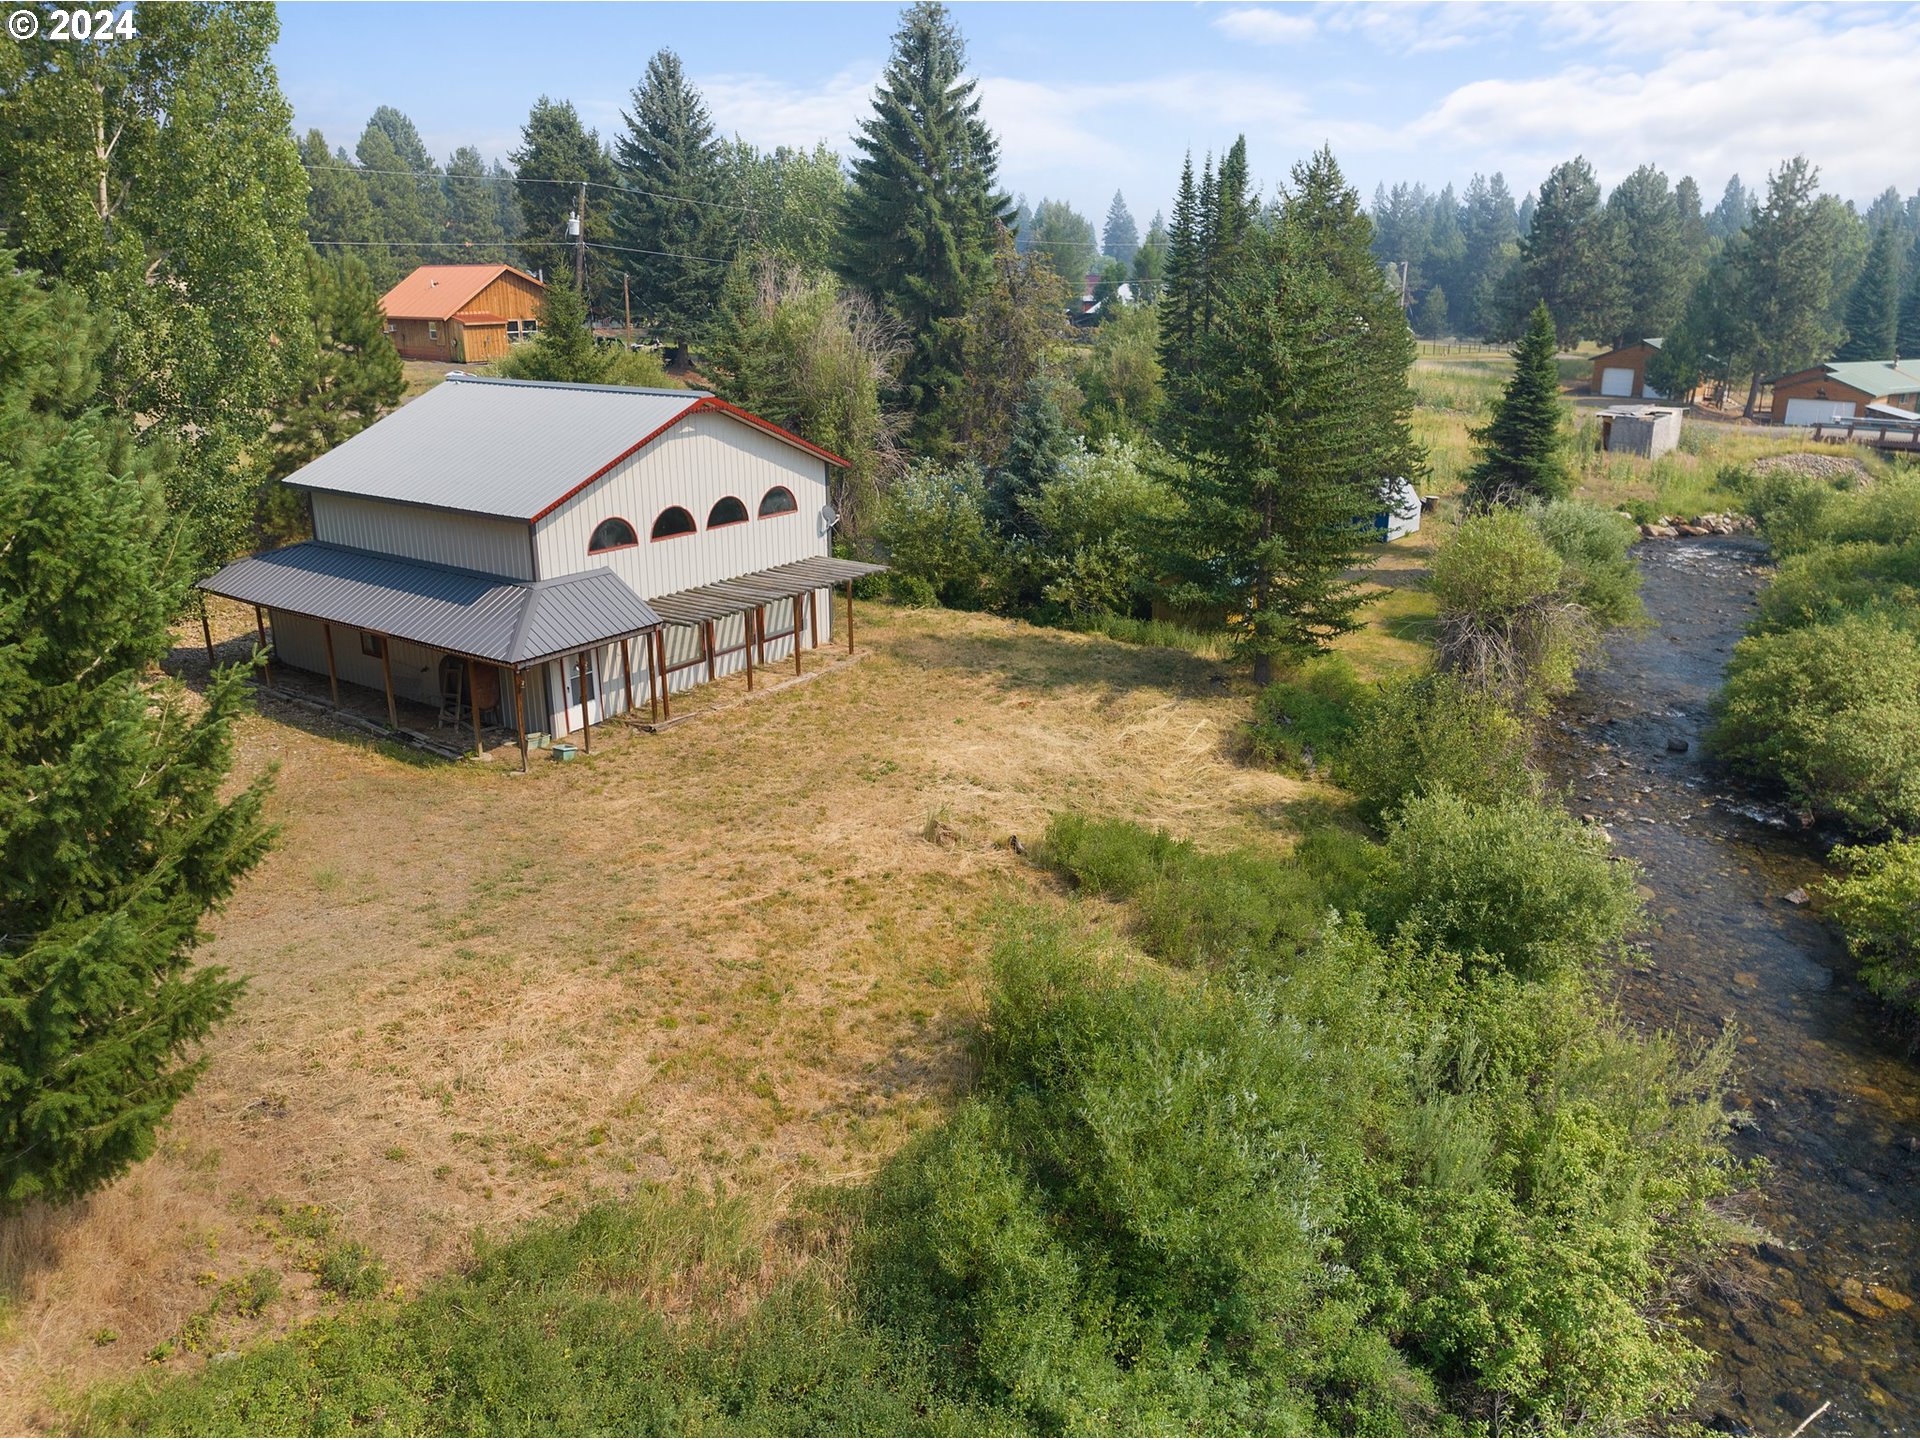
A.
x: 1622, y: 372
x: 462, y: 314
x: 1648, y: 431
x: 1844, y: 390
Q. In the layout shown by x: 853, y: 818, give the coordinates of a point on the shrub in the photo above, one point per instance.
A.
x: 1093, y: 523
x: 1504, y: 624
x: 1518, y: 881
x: 933, y: 528
x: 1598, y: 570
x: 1831, y: 713
x: 1791, y: 508
x: 1877, y: 902
x: 1419, y: 734
x: 1830, y: 582
x: 352, y: 1271
x: 1310, y: 714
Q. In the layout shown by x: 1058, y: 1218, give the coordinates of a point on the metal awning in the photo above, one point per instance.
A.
x: 515, y: 623
x: 756, y: 588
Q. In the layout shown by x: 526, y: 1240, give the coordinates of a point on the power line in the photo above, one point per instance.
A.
x: 521, y: 245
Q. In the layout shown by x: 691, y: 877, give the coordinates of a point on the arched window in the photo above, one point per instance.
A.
x: 778, y: 501
x: 612, y: 534
x: 726, y: 511
x: 674, y: 520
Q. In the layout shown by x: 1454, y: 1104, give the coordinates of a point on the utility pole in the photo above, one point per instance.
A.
x: 580, y: 243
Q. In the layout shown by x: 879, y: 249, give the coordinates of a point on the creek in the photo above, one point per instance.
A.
x: 1825, y: 1310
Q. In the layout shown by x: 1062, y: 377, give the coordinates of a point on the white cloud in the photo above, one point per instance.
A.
x: 769, y: 112
x: 1415, y: 29
x: 1265, y: 26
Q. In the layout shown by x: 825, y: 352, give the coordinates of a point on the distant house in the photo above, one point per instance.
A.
x: 1622, y: 373
x: 462, y: 313
x: 1844, y: 389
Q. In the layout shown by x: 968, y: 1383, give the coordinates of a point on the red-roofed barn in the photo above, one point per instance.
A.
x: 466, y: 314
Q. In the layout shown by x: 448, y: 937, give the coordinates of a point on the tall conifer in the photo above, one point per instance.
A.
x: 1873, y: 305
x: 1522, y: 456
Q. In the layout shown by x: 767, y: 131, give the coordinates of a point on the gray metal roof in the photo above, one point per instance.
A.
x: 758, y: 587
x: 507, y: 622
x: 510, y: 448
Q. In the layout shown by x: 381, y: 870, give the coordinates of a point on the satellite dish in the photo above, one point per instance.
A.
x: 829, y: 515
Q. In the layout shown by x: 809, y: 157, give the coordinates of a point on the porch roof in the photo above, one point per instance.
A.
x: 515, y: 623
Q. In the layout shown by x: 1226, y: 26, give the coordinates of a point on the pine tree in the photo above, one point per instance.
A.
x: 1906, y: 342
x: 1003, y: 339
x: 564, y: 349
x: 1522, y: 456
x: 338, y: 209
x: 1782, y: 280
x: 473, y: 210
x: 1121, y: 237
x: 402, y: 216
x: 1179, y: 313
x: 1293, y: 417
x: 922, y: 208
x: 1561, y: 255
x: 673, y: 208
x: 1873, y: 305
x: 1430, y: 316
x: 1733, y: 213
x: 1039, y: 441
x: 115, y: 838
x: 1652, y: 260
x: 355, y: 374
x: 1150, y: 262
x: 556, y: 153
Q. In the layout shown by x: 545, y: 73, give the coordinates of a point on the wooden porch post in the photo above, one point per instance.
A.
x: 666, y: 676
x: 710, y: 661
x: 653, y: 678
x: 746, y: 623
x: 849, y: 617
x: 473, y: 705
x: 796, y: 635
x: 520, y: 713
x: 333, y: 678
x: 586, y: 729
x: 206, y: 628
x: 386, y: 669
x: 813, y: 616
x: 760, y: 628
x: 260, y: 624
x: 626, y: 669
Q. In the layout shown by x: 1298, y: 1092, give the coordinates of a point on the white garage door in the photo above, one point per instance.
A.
x: 1616, y: 380
x: 1818, y: 412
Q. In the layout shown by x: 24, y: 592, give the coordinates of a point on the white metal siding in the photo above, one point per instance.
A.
x: 441, y: 537
x: 301, y: 643
x: 701, y: 460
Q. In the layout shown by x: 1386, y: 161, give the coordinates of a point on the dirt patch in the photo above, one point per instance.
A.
x: 1836, y: 469
x: 726, y: 955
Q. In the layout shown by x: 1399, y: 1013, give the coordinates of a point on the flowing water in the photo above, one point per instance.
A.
x: 1826, y: 1311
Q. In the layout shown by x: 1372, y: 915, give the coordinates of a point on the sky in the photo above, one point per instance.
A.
x: 1097, y: 97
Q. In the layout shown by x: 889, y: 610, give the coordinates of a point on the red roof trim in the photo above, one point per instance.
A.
x: 708, y: 402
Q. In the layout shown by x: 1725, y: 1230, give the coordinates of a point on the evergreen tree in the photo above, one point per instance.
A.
x: 1179, y: 310
x: 1022, y: 226
x: 1782, y: 280
x: 1733, y: 213
x: 1695, y: 241
x: 673, y: 208
x: 506, y: 202
x: 1292, y: 419
x: 564, y: 350
x: 1562, y: 254
x: 1446, y: 255
x: 1650, y: 251
x: 1121, y: 237
x: 1522, y: 456
x: 1150, y: 262
x: 1523, y: 218
x: 338, y: 209
x: 473, y: 210
x: 1873, y: 305
x: 1065, y: 236
x: 1906, y: 342
x: 115, y: 836
x: 186, y: 232
x: 353, y: 375
x: 922, y: 208
x: 556, y: 153
x: 1037, y: 443
x: 402, y: 224
x: 1490, y: 232
x: 1430, y: 316
x: 1003, y: 339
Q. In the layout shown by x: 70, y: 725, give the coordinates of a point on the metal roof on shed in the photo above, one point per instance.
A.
x: 1874, y: 377
x: 512, y: 449
x: 507, y: 622
x: 756, y: 588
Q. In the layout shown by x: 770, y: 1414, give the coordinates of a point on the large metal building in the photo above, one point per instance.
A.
x: 549, y: 554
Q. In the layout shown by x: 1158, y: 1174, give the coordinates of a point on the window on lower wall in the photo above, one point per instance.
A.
x: 433, y: 330
x: 374, y: 645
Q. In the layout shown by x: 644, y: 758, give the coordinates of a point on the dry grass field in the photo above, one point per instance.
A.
x: 740, y: 955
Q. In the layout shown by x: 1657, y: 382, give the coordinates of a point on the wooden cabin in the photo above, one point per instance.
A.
x: 462, y: 314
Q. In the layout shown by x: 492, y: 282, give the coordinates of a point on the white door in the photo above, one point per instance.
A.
x: 1617, y: 380
x: 567, y: 709
x: 1818, y: 412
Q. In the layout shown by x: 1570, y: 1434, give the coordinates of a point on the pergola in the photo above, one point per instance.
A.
x: 749, y: 595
